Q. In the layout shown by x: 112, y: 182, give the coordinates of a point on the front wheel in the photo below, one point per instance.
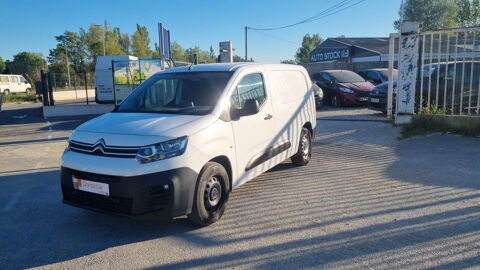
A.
x: 336, y: 101
x: 211, y: 194
x: 304, y: 152
x: 28, y: 91
x: 6, y: 92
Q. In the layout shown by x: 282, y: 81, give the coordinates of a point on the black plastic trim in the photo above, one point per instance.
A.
x: 268, y: 154
x: 143, y: 193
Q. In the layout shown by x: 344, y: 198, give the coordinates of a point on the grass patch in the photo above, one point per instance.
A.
x: 422, y: 125
x: 20, y: 98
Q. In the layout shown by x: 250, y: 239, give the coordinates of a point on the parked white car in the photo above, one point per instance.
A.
x: 14, y: 84
x: 180, y: 142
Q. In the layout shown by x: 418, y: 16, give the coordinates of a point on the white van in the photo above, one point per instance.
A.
x: 104, y: 77
x: 181, y: 141
x: 14, y: 84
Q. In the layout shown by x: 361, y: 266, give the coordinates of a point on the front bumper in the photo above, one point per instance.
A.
x: 163, y: 194
x: 377, y: 102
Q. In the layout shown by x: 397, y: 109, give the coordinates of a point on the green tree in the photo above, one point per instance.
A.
x: 178, y: 53
x: 213, y: 56
x: 431, y: 14
x: 2, y: 65
x: 123, y: 40
x: 28, y: 64
x: 237, y: 58
x: 309, y: 43
x: 468, y: 12
x: 141, y: 42
x: 289, y: 61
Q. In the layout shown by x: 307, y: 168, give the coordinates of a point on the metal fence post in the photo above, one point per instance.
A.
x: 86, y: 87
x: 391, y: 58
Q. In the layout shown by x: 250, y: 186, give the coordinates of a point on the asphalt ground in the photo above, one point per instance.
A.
x: 366, y: 200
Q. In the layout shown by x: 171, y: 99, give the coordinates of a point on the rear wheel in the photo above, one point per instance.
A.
x: 6, y: 92
x: 304, y: 152
x: 336, y: 101
x: 211, y: 194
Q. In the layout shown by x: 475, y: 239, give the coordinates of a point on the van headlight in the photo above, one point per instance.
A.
x: 346, y: 90
x: 162, y: 150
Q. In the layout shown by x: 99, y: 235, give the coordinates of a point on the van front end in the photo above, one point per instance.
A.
x: 129, y: 181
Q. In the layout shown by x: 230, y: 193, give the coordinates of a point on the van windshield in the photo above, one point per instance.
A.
x: 193, y: 93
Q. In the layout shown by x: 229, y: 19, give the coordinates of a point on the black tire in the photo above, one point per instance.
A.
x: 6, y: 92
x: 28, y: 91
x: 336, y: 101
x: 304, y: 152
x: 211, y: 194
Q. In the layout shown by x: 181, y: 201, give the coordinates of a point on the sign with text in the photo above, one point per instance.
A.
x: 329, y: 54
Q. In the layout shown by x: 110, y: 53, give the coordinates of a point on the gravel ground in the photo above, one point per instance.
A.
x: 367, y: 200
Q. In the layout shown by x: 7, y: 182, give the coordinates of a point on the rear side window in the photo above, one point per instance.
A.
x: 14, y: 79
x: 3, y: 79
x: 250, y: 87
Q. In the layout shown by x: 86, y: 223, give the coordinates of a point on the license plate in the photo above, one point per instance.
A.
x: 90, y: 186
x: 363, y: 99
x: 375, y: 100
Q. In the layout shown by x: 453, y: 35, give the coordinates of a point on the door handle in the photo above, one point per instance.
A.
x: 268, y: 117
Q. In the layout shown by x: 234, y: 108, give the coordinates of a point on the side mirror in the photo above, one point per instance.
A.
x: 330, y: 82
x: 250, y: 107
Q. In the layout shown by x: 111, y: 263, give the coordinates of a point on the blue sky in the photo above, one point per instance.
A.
x: 33, y: 24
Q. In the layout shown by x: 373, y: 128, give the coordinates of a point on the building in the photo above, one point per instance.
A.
x: 350, y: 50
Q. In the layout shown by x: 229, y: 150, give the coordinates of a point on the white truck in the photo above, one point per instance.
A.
x: 14, y: 84
x: 104, y: 76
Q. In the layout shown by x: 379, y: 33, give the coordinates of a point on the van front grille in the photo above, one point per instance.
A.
x: 101, y: 149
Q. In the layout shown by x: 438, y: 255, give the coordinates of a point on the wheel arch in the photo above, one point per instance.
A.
x: 308, y: 126
x: 225, y: 162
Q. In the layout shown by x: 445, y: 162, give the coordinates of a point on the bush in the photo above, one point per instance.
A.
x: 20, y: 98
x: 423, y: 125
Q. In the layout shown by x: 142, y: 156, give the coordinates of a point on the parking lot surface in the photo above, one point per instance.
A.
x: 366, y: 200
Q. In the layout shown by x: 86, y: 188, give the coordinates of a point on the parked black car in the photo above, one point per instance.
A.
x: 377, y: 75
x: 377, y: 100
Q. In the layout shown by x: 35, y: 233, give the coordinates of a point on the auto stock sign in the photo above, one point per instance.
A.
x: 325, y: 54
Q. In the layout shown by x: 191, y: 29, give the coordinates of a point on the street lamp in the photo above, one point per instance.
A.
x: 103, y: 37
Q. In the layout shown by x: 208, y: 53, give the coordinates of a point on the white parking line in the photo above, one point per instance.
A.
x: 12, y: 202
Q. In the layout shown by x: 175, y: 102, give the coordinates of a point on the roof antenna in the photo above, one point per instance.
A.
x: 195, y: 61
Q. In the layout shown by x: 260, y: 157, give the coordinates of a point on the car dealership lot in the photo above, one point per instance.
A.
x: 366, y: 200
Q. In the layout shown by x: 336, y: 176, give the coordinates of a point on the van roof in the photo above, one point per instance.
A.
x: 228, y: 67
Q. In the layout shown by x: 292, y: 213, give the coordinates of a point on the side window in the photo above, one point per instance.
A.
x: 326, y: 77
x: 250, y: 87
x: 3, y: 79
x: 22, y: 79
x: 373, y: 76
x: 14, y: 79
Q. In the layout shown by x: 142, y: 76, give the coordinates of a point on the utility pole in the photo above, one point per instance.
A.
x: 68, y: 67
x: 246, y: 43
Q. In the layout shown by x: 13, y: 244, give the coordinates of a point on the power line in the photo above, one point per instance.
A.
x: 325, y: 13
x: 275, y: 37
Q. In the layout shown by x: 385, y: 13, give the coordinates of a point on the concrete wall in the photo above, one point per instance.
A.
x: 73, y: 94
x: 73, y: 110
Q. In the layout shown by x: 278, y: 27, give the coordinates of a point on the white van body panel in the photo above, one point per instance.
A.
x: 14, y: 84
x: 289, y: 106
x: 104, y: 76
